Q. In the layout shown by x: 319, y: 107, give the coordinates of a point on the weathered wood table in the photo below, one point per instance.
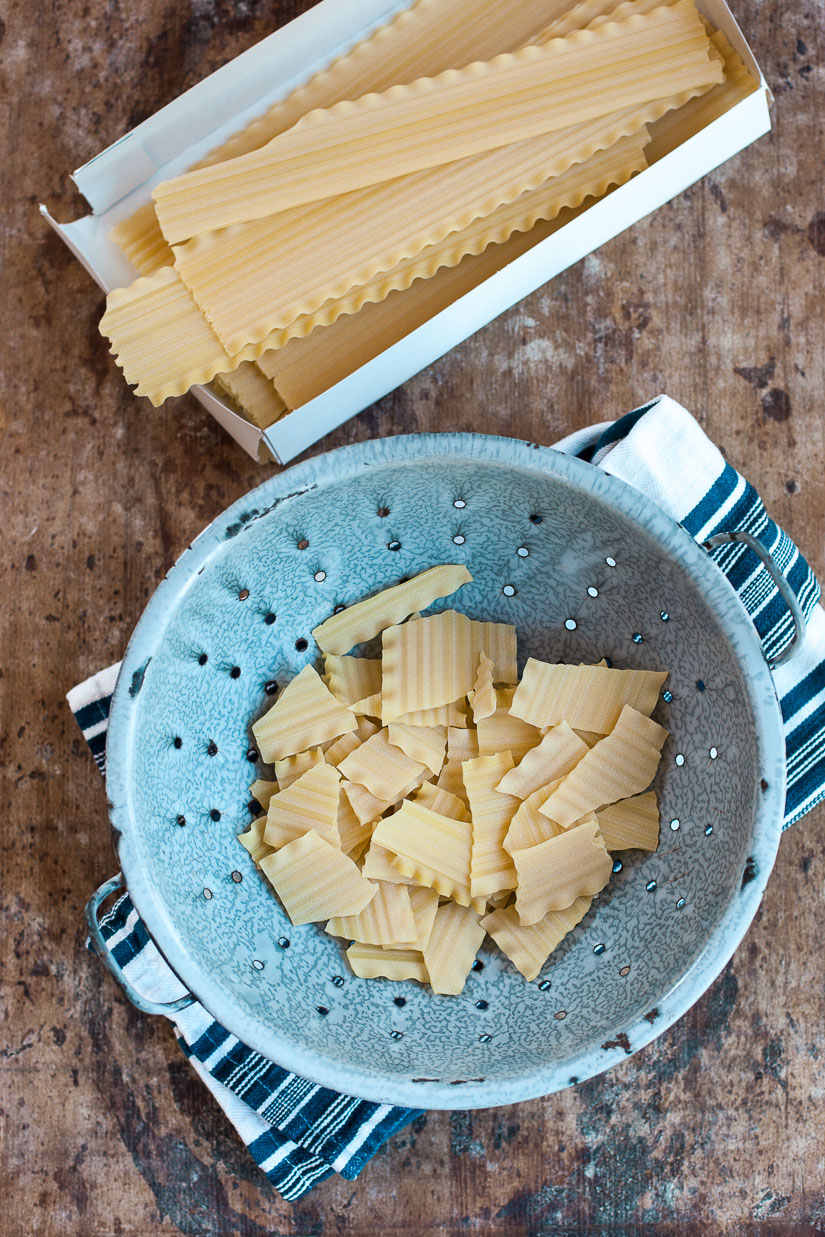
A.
x: 718, y: 299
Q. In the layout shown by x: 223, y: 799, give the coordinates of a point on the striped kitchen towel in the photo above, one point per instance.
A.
x: 300, y: 1133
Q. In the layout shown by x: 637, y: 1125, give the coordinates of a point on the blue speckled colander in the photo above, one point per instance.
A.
x: 585, y: 567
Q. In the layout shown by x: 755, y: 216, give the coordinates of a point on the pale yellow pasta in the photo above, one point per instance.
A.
x: 315, y: 880
x: 382, y: 768
x: 459, y: 114
x: 631, y: 824
x: 442, y: 801
x: 432, y: 849
x: 424, y: 903
x: 528, y: 827
x: 253, y: 841
x: 445, y: 715
x: 451, y: 780
x: 365, y: 619
x: 553, y: 875
x: 455, y: 939
x: 590, y: 737
x: 305, y: 715
x: 484, y: 702
x: 386, y: 920
x: 308, y: 803
x: 622, y: 764
x: 586, y: 697
x: 254, y: 394
x: 559, y: 751
x: 528, y: 948
x: 290, y: 768
x: 262, y: 792
x: 433, y: 662
x: 351, y: 679
x: 139, y: 237
x: 368, y: 706
x: 378, y: 866
x: 375, y: 962
x: 424, y: 745
x: 491, y: 868
x: 354, y: 835
x: 342, y: 747
x: 501, y: 732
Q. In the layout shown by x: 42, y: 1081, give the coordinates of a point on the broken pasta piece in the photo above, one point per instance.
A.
x: 528, y: 948
x: 375, y: 962
x: 559, y: 751
x: 309, y: 803
x: 386, y: 920
x: 455, y: 939
x: 432, y: 849
x: 305, y: 715
x: 586, y: 697
x: 253, y: 841
x: 316, y: 881
x: 551, y: 876
x: 491, y: 868
x: 631, y: 824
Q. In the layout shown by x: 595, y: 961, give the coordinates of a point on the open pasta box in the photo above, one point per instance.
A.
x: 416, y: 255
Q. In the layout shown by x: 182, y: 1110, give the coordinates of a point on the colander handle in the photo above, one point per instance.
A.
x: 780, y: 580
x: 116, y: 885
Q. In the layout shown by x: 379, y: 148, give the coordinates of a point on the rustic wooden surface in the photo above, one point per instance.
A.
x: 716, y: 1127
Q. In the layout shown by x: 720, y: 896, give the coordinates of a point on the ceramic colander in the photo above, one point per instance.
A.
x: 585, y: 567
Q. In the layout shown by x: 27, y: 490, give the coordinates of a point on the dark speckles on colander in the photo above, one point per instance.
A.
x: 198, y: 630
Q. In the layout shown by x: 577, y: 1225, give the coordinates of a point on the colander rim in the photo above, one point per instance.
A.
x: 331, y: 468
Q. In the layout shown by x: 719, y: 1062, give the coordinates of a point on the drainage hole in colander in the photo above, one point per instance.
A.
x: 208, y: 895
x: 536, y: 518
x: 395, y: 546
x: 236, y: 877
x: 400, y: 1001
x: 650, y: 886
x: 674, y: 824
x: 700, y: 686
x: 396, y: 1035
x: 322, y: 1010
x: 482, y: 1005
x: 258, y: 965
x: 680, y: 760
x: 254, y: 808
x: 713, y: 753
x: 320, y: 576
x: 509, y: 590
x: 203, y: 659
x: 284, y: 942
x: 243, y: 594
x: 215, y: 815
x: 592, y: 592
x: 664, y: 616
x: 611, y: 562
x: 484, y: 1039
x: 177, y: 742
x: 608, y: 663
x: 561, y: 1015
x: 544, y: 985
x: 680, y: 904
x: 270, y: 618
x: 624, y: 971
x: 303, y: 544
x: 271, y: 688
x: 599, y: 949
x: 337, y: 981
x: 252, y: 755
x: 459, y: 539
x: 302, y: 645
x: 570, y: 624
x: 617, y: 865
x: 383, y: 512
x: 667, y: 697
x: 460, y: 503
x: 478, y: 965
x: 235, y: 672
x: 211, y: 748
x: 708, y: 830
x: 180, y: 819
x: 638, y: 638
x: 523, y: 552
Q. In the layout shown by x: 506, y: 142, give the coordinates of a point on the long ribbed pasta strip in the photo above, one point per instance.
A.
x: 316, y: 881
x: 528, y: 948
x: 631, y: 824
x: 622, y: 764
x: 586, y: 697
x: 456, y: 115
x: 455, y: 940
x: 305, y: 714
x: 491, y: 868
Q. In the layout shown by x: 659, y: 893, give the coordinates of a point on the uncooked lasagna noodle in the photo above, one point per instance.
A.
x: 310, y: 802
x: 457, y: 115
x: 352, y: 678
x: 502, y: 732
x: 631, y: 824
x: 622, y: 764
x: 253, y: 393
x: 559, y: 751
x: 262, y: 791
x: 253, y: 841
x: 434, y: 661
x: 315, y: 880
x: 374, y: 962
x: 378, y: 866
x: 424, y: 903
x: 342, y: 747
x: 290, y: 768
x: 553, y: 875
x: 139, y: 237
x: 305, y: 715
x: 383, y: 769
x: 528, y: 827
x: 431, y: 849
x: 365, y: 619
x: 491, y: 868
x: 528, y: 948
x: 585, y: 697
x: 441, y: 801
x: 386, y: 920
x: 455, y: 939
x: 483, y: 697
x: 425, y: 745
x: 354, y: 836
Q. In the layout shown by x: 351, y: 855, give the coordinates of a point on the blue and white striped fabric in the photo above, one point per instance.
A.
x: 300, y: 1133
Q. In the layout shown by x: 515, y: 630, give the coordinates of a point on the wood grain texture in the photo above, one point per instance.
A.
x: 714, y: 1128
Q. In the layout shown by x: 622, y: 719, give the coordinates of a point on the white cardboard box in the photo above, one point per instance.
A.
x: 123, y: 176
